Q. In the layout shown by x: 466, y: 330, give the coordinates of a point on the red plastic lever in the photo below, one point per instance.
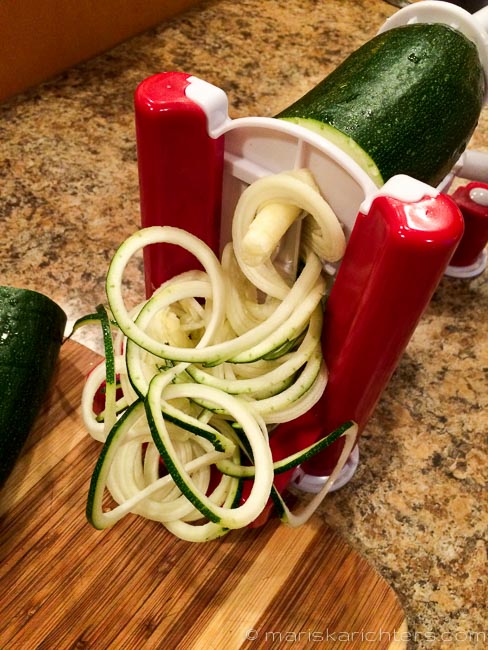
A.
x: 469, y: 258
x: 180, y: 171
x: 394, y: 260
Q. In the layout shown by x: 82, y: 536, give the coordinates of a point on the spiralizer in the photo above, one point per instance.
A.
x: 194, y: 162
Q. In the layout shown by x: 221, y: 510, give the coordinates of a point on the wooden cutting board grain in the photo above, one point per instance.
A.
x: 64, y: 585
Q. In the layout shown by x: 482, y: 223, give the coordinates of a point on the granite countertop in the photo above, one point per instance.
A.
x: 417, y: 505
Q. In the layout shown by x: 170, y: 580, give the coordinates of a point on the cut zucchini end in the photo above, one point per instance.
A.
x: 344, y: 142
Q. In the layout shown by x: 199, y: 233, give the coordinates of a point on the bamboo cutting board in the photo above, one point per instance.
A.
x: 65, y: 585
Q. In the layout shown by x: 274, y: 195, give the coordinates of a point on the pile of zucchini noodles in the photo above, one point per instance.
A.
x: 195, y: 377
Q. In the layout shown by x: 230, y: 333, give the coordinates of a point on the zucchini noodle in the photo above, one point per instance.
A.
x: 196, y: 376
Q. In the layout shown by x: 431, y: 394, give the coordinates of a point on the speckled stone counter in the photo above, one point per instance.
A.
x: 417, y: 505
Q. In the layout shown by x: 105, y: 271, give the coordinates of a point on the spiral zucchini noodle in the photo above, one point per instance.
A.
x: 196, y: 376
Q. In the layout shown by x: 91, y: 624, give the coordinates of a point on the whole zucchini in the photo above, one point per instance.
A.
x: 406, y: 102
x: 31, y: 333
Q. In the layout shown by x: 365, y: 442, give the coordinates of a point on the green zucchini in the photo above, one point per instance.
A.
x: 235, y: 470
x: 31, y: 333
x: 406, y: 102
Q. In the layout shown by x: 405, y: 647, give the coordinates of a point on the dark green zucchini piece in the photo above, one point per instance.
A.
x: 406, y: 102
x: 31, y: 333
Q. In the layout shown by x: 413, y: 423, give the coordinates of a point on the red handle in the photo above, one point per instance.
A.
x: 394, y: 260
x: 472, y: 200
x: 180, y: 171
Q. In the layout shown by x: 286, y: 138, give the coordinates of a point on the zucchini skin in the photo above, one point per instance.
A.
x: 31, y: 333
x: 410, y: 98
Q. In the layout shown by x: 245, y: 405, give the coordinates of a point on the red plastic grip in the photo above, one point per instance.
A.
x: 475, y: 225
x: 394, y: 260
x: 180, y: 171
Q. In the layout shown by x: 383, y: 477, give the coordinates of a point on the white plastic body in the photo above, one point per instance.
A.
x: 258, y: 146
x: 473, y: 165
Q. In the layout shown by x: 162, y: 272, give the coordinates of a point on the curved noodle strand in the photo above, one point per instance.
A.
x: 207, y: 366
